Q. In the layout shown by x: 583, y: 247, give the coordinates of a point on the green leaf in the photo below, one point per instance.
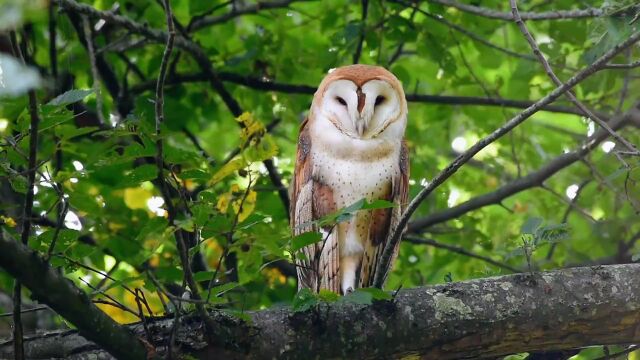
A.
x: 304, y: 300
x: 84, y: 202
x: 328, y: 296
x: 66, y: 237
x: 300, y: 241
x: 138, y: 175
x: 346, y: 213
x: 359, y: 297
x: 531, y: 225
x: 377, y: 294
x: 221, y: 289
x: 18, y: 184
x: 70, y: 97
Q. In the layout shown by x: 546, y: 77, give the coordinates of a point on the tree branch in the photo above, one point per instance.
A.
x: 363, y: 22
x: 452, y: 168
x: 495, y: 14
x: 258, y: 84
x: 470, y: 34
x: 556, y: 80
x: 51, y: 288
x: 458, y: 250
x: 533, y: 179
x: 201, y: 58
x: 487, y: 318
x: 249, y: 9
x: 28, y: 200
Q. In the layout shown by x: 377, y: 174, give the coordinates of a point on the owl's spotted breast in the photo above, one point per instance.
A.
x: 350, y: 148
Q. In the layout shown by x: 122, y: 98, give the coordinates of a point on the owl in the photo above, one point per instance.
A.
x: 350, y: 147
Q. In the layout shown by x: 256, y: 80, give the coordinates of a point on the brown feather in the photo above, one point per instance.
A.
x: 310, y: 201
x: 384, y: 222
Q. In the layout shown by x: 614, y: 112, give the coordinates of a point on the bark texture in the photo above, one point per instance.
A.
x: 492, y: 317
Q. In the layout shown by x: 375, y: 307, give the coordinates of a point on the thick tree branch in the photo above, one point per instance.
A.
x: 487, y: 318
x: 532, y: 180
x: 51, y: 288
x: 500, y: 15
x: 396, y: 234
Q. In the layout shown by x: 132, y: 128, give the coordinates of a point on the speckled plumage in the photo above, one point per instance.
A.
x: 350, y: 148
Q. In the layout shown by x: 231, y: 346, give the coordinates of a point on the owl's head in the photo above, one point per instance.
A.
x: 362, y: 101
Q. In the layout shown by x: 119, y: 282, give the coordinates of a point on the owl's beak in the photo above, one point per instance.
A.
x: 361, y: 125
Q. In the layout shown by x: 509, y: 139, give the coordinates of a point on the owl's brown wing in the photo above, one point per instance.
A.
x: 319, y: 266
x: 384, y: 221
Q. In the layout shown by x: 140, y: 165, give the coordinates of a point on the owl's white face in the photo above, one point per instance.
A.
x: 362, y: 113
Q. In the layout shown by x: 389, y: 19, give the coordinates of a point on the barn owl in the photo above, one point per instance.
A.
x: 350, y: 147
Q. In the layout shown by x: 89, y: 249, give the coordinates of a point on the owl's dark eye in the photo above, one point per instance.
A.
x: 380, y: 100
x: 341, y: 101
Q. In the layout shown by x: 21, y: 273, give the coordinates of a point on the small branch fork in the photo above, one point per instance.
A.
x: 558, y: 82
x: 452, y: 168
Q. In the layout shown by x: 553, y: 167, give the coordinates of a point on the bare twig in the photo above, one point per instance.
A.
x: 452, y: 168
x: 458, y: 250
x: 53, y: 53
x: 24, y: 311
x: 567, y: 212
x: 625, y: 86
x: 495, y: 14
x: 62, y: 212
x: 363, y: 24
x: 558, y: 82
x: 235, y: 12
x: 631, y: 65
x: 462, y: 30
x: 28, y: 202
x: 94, y: 68
x: 399, y: 50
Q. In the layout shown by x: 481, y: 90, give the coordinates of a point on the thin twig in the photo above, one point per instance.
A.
x: 94, y: 67
x: 24, y: 311
x: 459, y: 250
x: 452, y: 168
x: 494, y: 14
x: 363, y: 24
x: 631, y: 65
x: 625, y: 86
x: 235, y: 12
x: 62, y: 212
x: 470, y: 34
x: 558, y: 82
x: 28, y: 202
x: 566, y: 214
